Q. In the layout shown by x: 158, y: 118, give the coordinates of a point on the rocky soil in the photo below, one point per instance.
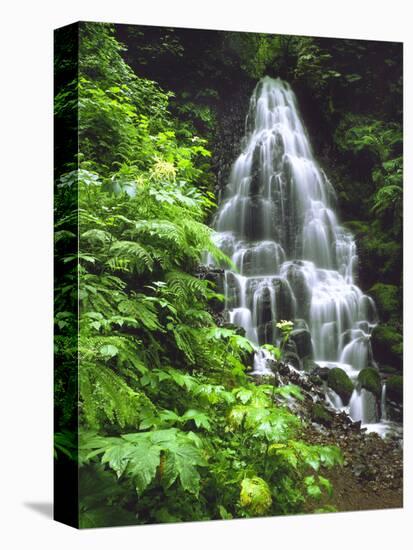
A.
x: 372, y: 476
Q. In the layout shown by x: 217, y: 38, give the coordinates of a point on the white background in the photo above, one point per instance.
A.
x: 26, y: 270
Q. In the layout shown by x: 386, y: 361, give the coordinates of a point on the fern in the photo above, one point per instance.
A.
x: 185, y: 287
x: 106, y: 397
x: 134, y: 253
x: 109, y: 368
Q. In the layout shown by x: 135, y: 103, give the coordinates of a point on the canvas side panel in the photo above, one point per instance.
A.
x: 66, y: 491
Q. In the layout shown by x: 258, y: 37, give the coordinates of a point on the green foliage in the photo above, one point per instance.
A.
x: 387, y: 343
x: 138, y: 456
x: 257, y: 51
x: 387, y: 299
x: 381, y: 144
x: 357, y: 133
x: 314, y: 66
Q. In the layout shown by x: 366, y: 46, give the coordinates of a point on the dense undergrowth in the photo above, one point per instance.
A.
x: 171, y: 425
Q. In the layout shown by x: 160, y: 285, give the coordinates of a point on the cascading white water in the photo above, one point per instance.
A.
x: 294, y: 261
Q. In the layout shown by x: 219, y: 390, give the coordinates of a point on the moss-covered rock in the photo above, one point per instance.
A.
x: 321, y: 415
x: 394, y: 388
x: 387, y: 343
x: 369, y: 379
x: 339, y: 381
x: 387, y: 300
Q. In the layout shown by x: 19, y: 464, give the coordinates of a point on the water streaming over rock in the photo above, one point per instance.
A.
x: 294, y: 260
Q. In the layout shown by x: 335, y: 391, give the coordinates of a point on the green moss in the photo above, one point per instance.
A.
x: 387, y: 345
x: 394, y: 388
x: 321, y: 415
x: 387, y: 300
x: 369, y: 379
x: 338, y: 381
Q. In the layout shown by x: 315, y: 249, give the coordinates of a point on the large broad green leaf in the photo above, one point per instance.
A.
x: 181, y: 453
x: 255, y: 496
x: 201, y: 419
x: 243, y: 394
x: 181, y: 457
x: 143, y: 462
x: 118, y: 457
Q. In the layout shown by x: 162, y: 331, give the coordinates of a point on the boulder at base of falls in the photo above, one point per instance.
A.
x: 338, y: 381
x: 302, y: 339
x: 369, y: 379
x: 394, y: 388
x: 321, y: 415
x: 387, y: 344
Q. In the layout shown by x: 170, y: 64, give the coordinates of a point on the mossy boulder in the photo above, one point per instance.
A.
x: 321, y: 415
x: 369, y: 379
x: 394, y: 388
x: 387, y: 300
x: 339, y: 381
x: 387, y: 344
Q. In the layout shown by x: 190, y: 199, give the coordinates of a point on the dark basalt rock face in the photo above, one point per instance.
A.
x: 394, y: 397
x: 231, y: 127
x: 302, y: 339
x: 394, y: 386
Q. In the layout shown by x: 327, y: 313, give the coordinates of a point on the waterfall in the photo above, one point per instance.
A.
x: 383, y: 408
x: 363, y: 407
x: 293, y: 259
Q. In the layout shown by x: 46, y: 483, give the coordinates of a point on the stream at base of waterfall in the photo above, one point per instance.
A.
x: 294, y: 261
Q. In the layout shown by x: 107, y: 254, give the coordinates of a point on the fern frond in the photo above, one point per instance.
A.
x: 186, y: 287
x: 106, y: 397
x: 134, y: 253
